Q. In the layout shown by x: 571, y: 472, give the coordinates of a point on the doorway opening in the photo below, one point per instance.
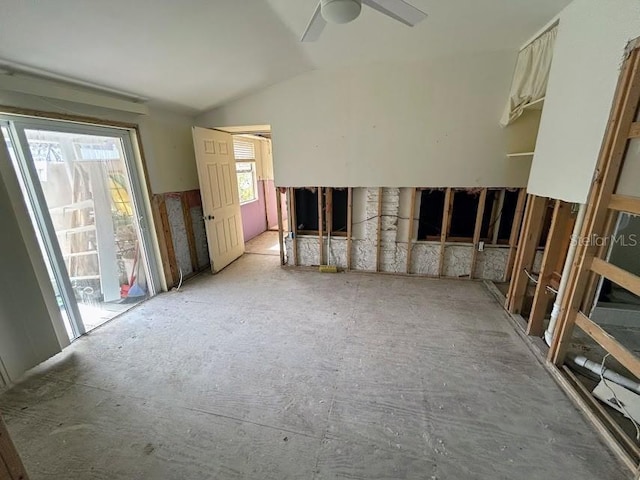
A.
x: 84, y: 193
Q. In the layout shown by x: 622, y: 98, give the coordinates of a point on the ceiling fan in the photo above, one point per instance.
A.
x: 345, y: 11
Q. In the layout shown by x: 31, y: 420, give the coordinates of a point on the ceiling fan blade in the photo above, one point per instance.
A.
x: 398, y: 10
x: 315, y: 27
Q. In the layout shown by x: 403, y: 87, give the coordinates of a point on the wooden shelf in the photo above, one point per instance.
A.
x: 535, y: 105
x: 521, y: 154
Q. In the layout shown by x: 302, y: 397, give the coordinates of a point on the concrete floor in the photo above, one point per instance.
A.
x: 266, y: 243
x: 264, y: 373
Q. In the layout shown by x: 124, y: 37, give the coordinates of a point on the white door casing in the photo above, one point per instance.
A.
x: 220, y: 199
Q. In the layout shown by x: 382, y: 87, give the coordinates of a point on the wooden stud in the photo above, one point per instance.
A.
x: 320, y: 221
x: 444, y: 231
x: 626, y: 357
x: 477, y: 230
x: 349, y: 225
x: 515, y: 234
x: 379, y: 230
x: 412, y: 214
x: 634, y: 131
x: 603, y: 185
x: 555, y: 249
x: 191, y: 237
x: 171, y: 263
x: 625, y: 203
x: 294, y: 225
x: 529, y: 240
x: 280, y: 226
x: 617, y: 275
x: 11, y: 466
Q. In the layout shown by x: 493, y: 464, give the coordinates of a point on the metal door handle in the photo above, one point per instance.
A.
x: 208, y: 217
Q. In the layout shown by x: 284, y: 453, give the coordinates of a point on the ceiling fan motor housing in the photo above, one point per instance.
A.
x: 340, y: 11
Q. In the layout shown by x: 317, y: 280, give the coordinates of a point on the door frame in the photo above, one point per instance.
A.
x: 17, y: 124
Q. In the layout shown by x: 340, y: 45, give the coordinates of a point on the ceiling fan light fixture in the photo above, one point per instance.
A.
x: 340, y: 11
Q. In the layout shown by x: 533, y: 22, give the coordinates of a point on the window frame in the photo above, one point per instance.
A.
x: 254, y: 173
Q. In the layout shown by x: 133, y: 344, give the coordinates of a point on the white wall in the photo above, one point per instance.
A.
x: 589, y: 50
x: 165, y: 136
x: 394, y: 124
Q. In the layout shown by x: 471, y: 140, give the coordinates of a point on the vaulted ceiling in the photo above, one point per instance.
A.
x: 197, y: 54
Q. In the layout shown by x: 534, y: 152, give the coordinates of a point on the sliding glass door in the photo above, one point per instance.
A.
x: 85, y: 197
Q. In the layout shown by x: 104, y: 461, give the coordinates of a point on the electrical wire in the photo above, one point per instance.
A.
x: 618, y: 402
x: 533, y: 279
x: 180, y: 282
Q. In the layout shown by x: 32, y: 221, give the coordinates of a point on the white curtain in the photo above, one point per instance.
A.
x: 531, y: 75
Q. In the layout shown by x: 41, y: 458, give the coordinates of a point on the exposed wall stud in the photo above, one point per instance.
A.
x: 379, y: 230
x: 412, y: 214
x: 294, y: 225
x: 477, y: 230
x: 446, y: 221
x: 320, y: 221
x: 515, y: 233
x: 495, y: 228
x: 188, y: 225
x: 168, y: 241
x: 349, y: 225
x: 11, y: 466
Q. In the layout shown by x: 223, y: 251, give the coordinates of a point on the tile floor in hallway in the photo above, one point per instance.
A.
x: 265, y: 373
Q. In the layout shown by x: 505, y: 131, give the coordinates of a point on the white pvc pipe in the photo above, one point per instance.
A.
x: 603, y: 371
x: 566, y: 270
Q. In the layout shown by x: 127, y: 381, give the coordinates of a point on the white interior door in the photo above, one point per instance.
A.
x: 219, y: 191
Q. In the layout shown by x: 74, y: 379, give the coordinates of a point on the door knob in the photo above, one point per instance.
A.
x: 208, y: 217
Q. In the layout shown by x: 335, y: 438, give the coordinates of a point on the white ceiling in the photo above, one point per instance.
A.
x: 197, y: 54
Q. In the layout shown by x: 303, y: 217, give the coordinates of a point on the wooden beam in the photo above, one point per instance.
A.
x: 412, y: 214
x: 294, y: 225
x: 11, y: 466
x: 477, y: 230
x: 320, y: 221
x: 634, y: 131
x: 529, y: 240
x: 444, y: 230
x: 625, y: 203
x: 379, y: 229
x: 609, y: 343
x: 191, y: 237
x: 171, y: 263
x: 349, y: 225
x: 280, y: 226
x: 515, y: 233
x: 617, y: 275
x: 606, y: 176
x: 554, y: 250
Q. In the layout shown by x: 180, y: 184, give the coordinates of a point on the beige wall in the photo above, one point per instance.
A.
x: 589, y: 50
x: 165, y: 137
x: 400, y: 124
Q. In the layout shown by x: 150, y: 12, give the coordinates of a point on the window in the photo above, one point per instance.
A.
x: 431, y: 211
x: 247, y: 181
x: 244, y: 152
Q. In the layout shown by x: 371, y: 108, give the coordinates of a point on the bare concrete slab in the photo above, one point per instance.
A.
x: 263, y: 373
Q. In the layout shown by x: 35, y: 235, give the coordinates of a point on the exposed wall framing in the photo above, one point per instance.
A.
x: 381, y: 236
x: 182, y: 237
x: 11, y: 466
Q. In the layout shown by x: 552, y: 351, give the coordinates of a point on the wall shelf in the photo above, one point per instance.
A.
x: 521, y: 154
x: 535, y: 105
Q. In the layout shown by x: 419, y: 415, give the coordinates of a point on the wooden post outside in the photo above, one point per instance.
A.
x: 515, y: 233
x: 477, y: 230
x: 11, y: 466
x: 529, y: 240
x: 412, y: 214
x: 446, y: 220
x: 379, y: 229
x: 280, y: 226
x: 555, y: 250
x: 349, y: 225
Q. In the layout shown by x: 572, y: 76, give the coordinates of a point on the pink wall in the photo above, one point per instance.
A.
x: 254, y: 220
